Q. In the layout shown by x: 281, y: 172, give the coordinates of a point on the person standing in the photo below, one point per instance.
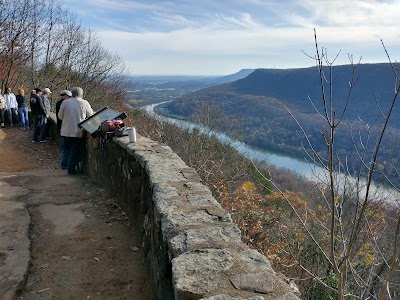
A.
x: 11, y: 105
x: 72, y: 112
x: 2, y: 109
x: 65, y: 94
x: 47, y: 106
x: 22, y: 109
x: 39, y: 115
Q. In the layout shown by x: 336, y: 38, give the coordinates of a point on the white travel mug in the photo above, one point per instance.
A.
x: 132, y: 134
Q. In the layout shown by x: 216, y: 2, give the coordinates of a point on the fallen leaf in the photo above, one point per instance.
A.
x: 43, y: 290
x: 96, y: 259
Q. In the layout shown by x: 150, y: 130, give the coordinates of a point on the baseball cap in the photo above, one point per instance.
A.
x: 65, y: 93
x: 46, y: 90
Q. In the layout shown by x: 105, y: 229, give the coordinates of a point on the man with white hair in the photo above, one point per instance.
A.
x: 72, y: 112
x: 47, y: 106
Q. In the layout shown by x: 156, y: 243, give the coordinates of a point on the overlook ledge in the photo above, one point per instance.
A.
x: 192, y: 248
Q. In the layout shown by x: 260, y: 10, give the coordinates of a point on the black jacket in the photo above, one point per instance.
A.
x: 59, y: 122
x: 36, y: 105
x: 21, y: 100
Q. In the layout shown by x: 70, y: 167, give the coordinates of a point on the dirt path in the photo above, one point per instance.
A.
x: 82, y: 246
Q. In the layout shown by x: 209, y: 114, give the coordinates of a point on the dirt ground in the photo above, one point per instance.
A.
x: 82, y: 245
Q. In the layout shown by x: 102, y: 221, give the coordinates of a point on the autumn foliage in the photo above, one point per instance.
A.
x: 281, y: 214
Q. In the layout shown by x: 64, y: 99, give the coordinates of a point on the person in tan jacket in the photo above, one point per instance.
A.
x: 72, y: 112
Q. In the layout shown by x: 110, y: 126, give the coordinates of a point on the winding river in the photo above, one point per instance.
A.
x: 309, y: 171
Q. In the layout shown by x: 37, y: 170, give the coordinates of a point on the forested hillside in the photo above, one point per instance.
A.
x: 256, y: 107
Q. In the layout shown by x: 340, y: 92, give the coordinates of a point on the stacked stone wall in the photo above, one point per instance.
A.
x: 192, y: 248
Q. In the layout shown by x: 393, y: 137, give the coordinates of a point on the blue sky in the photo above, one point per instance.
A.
x: 217, y: 37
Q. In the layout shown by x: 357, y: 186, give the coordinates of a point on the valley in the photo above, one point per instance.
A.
x: 263, y: 208
x: 282, y: 111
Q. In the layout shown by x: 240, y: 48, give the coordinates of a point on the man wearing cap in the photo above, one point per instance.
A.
x: 45, y: 130
x: 65, y: 94
x: 72, y: 112
x: 38, y: 111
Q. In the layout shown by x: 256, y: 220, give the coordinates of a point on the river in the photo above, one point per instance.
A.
x: 311, y: 172
x: 279, y: 161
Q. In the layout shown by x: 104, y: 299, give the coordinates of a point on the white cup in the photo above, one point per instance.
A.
x: 132, y: 134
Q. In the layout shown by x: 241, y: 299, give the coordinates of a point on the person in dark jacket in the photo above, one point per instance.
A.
x: 22, y: 109
x: 39, y: 116
x: 65, y: 94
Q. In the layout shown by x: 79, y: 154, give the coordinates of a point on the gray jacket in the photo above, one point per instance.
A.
x: 46, y: 104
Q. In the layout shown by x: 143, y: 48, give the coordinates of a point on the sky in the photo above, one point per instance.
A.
x: 221, y: 37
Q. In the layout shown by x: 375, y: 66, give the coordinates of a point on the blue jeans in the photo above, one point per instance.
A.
x: 11, y: 113
x: 64, y: 157
x: 39, y: 127
x: 23, y: 117
x: 72, y: 147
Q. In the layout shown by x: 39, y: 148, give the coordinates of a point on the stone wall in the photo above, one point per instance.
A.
x: 192, y: 248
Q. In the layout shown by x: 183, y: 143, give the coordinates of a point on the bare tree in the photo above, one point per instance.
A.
x: 349, y: 199
x: 15, y: 24
x: 43, y: 44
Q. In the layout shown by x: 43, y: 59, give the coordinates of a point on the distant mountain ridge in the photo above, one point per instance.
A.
x: 182, y: 79
x: 255, y: 105
x: 233, y: 77
x: 294, y: 87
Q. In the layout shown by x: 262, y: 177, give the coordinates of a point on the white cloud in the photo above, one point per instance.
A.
x: 122, y: 5
x: 213, y: 37
x: 243, y: 20
x: 172, y: 20
x: 349, y: 13
x: 194, y: 51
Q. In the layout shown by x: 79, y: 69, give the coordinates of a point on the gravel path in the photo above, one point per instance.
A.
x: 82, y: 245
